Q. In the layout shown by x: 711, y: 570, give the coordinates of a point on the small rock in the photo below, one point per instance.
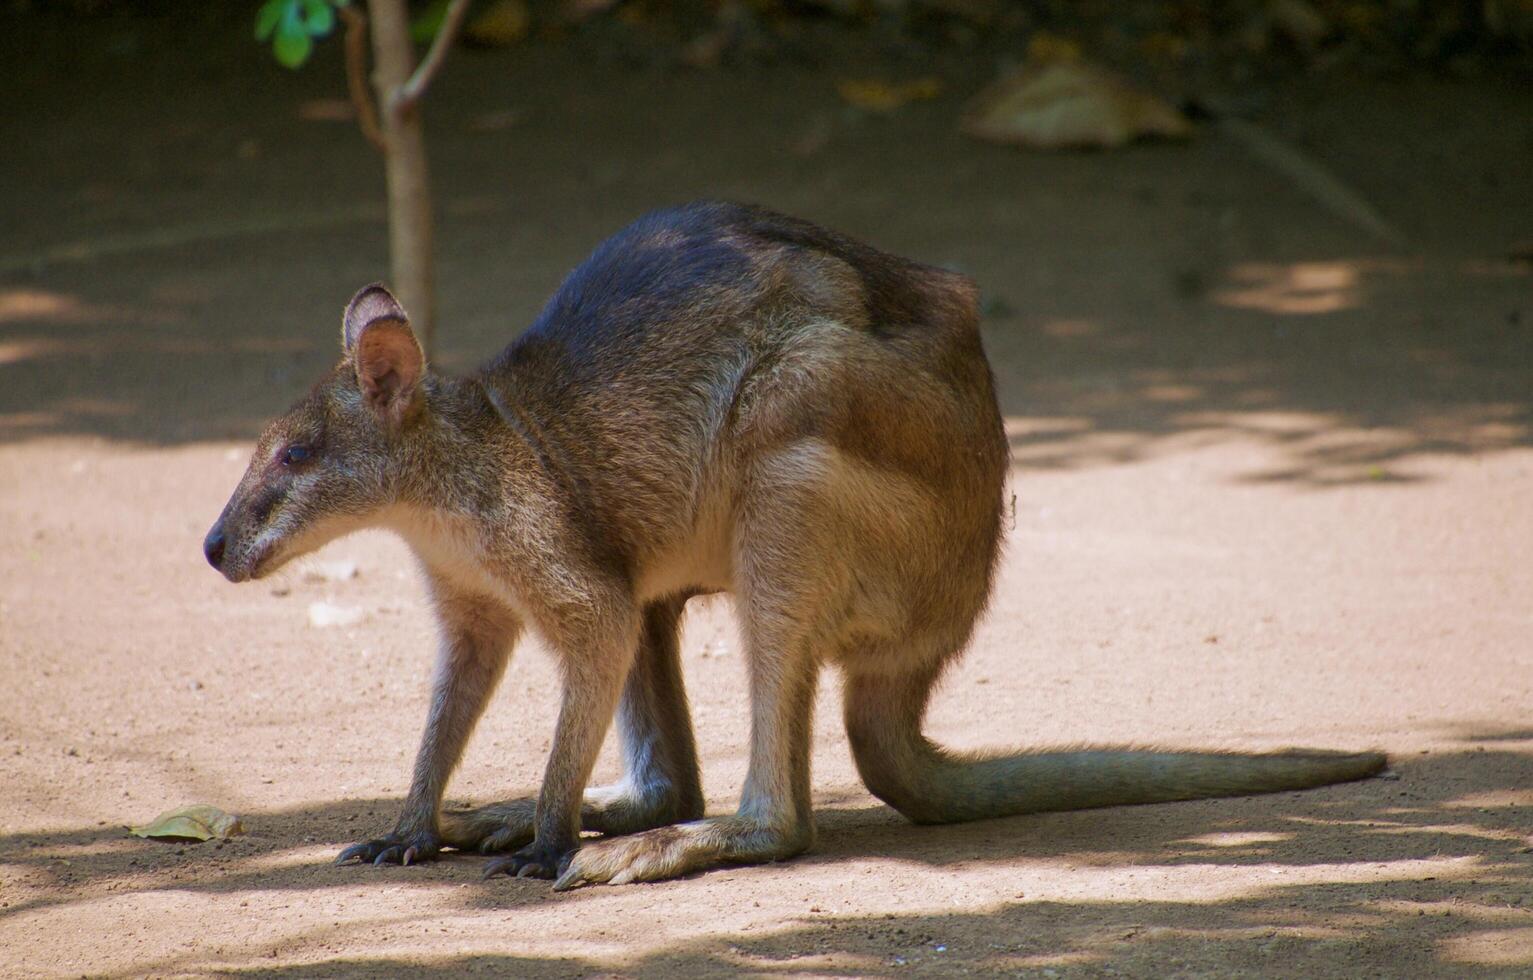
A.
x: 325, y: 614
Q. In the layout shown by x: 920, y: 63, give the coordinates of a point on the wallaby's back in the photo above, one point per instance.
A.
x: 702, y: 336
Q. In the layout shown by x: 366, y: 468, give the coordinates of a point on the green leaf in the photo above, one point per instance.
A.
x: 267, y: 17
x: 198, y: 822
x: 424, y: 28
x: 320, y: 15
x: 292, y: 47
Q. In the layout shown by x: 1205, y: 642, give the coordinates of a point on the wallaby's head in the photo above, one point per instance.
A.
x: 334, y: 459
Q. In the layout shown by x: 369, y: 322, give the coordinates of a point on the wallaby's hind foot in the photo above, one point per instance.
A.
x: 489, y: 829
x: 669, y: 852
x: 500, y: 827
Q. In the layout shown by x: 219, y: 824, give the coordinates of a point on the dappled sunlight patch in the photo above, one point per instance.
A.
x: 1302, y: 288
x: 1491, y: 799
x: 1023, y: 428
x: 28, y: 349
x: 1376, y: 826
x: 1274, y: 424
x: 292, y: 857
x: 35, y: 304
x: 44, y: 307
x: 1454, y: 830
x: 1231, y: 838
x: 1490, y: 947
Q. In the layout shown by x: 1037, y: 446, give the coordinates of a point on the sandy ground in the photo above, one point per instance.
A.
x: 1273, y: 485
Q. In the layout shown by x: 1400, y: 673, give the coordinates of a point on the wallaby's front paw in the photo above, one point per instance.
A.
x: 395, y: 848
x: 536, y: 860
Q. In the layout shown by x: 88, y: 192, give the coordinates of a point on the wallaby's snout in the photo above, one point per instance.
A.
x: 213, y: 545
x: 239, y: 542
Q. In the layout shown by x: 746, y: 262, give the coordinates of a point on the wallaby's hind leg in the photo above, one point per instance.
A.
x: 774, y: 820
x: 660, y: 784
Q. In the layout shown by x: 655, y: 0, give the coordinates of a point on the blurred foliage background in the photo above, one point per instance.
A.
x: 1231, y: 40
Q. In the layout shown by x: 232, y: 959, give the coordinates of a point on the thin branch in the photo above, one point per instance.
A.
x: 411, y: 91
x: 356, y: 75
x: 1325, y: 187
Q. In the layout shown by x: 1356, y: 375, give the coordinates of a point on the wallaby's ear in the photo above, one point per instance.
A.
x: 372, y: 302
x: 389, y: 363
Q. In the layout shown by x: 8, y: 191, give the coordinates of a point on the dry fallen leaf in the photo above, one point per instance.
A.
x: 1069, y: 105
x: 879, y: 96
x: 197, y: 822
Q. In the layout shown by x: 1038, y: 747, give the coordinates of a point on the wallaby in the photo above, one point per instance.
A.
x: 719, y: 399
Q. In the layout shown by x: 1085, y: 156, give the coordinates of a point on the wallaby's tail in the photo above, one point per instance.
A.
x: 931, y: 785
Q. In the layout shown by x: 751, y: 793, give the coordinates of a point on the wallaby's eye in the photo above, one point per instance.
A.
x: 296, y: 455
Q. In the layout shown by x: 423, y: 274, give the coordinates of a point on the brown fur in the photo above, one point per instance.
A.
x: 720, y: 399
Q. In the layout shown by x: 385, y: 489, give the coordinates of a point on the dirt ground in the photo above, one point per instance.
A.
x: 1273, y: 485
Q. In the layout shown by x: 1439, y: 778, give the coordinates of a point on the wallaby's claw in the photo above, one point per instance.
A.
x: 572, y: 878
x: 395, y: 848
x: 500, y: 865
x: 533, y: 861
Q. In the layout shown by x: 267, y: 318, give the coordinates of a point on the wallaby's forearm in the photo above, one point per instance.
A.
x: 475, y: 646
x: 595, y: 669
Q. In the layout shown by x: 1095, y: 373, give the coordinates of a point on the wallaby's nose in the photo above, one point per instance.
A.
x: 213, y: 546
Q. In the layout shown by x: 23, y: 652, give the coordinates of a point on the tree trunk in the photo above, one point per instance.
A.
x: 410, y: 249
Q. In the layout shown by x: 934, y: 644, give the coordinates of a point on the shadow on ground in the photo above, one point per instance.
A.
x: 1434, y: 866
x: 190, y: 254
x: 1346, y: 370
